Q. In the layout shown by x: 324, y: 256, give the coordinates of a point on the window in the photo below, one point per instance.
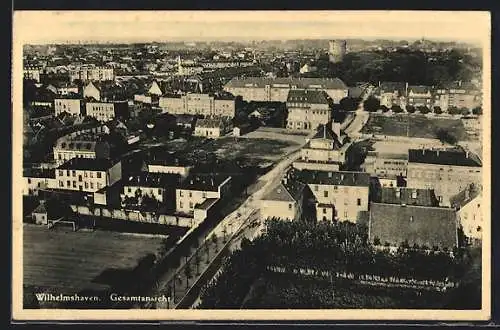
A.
x: 346, y: 214
x: 324, y: 210
x: 290, y: 206
x: 359, y: 201
x: 85, y: 174
x: 190, y: 194
x: 67, y: 172
x: 68, y: 183
x: 29, y: 181
x: 80, y: 178
x: 38, y: 185
x: 74, y: 173
x: 61, y: 183
x: 74, y: 184
x: 129, y: 189
x: 98, y: 175
x: 181, y: 205
x: 204, y: 195
x: 98, y: 185
x: 159, y: 192
x: 61, y: 173
x: 190, y: 205
x: 180, y: 193
x: 325, y: 193
x: 91, y: 185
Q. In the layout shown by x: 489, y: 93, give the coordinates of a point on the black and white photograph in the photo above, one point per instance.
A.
x: 258, y: 165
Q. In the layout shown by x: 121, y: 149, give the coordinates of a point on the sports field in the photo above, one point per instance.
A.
x: 63, y: 261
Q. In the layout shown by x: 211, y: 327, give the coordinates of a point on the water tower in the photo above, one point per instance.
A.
x: 337, y: 50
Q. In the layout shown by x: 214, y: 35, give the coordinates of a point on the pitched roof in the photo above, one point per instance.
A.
x: 419, y: 89
x: 41, y: 208
x: 203, y: 182
x: 148, y: 179
x: 465, y: 196
x: 338, y: 178
x: 307, y: 96
x: 408, y: 196
x: 89, y: 164
x: 456, y: 157
x: 303, y: 83
x: 392, y: 86
x: 286, y: 192
x: 210, y: 122
x: 422, y: 225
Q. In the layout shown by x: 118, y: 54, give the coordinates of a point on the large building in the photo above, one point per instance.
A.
x: 391, y: 93
x: 212, y: 127
x: 276, y: 89
x: 35, y: 180
x: 71, y: 104
x: 386, y: 166
x: 340, y: 195
x: 158, y: 186
x: 198, y: 188
x: 32, y: 73
x: 199, y: 104
x: 88, y: 174
x: 285, y: 201
x: 448, y: 171
x: 337, y: 50
x: 458, y: 94
x: 307, y: 109
x: 324, y: 151
x: 419, y: 96
x: 106, y: 111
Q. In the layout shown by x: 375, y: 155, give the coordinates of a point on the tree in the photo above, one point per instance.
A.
x: 446, y: 137
x: 396, y: 109
x: 453, y: 110
x: 188, y: 272
x: 197, y: 260
x: 384, y: 108
x: 371, y: 104
x: 424, y: 110
x: 438, y: 110
x: 464, y: 111
x: 224, y: 231
x: 214, y: 239
x: 410, y: 109
x: 477, y: 111
x: 349, y: 103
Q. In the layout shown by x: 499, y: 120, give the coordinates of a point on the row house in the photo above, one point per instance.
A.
x: 307, y: 109
x: 81, y: 146
x: 448, y: 171
x: 104, y: 91
x: 265, y: 89
x: 199, y: 104
x: 391, y: 93
x: 63, y: 88
x: 196, y: 189
x: 340, y: 195
x: 324, y: 151
x: 88, y: 174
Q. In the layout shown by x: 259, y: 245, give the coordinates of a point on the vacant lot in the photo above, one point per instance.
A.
x: 413, y: 126
x: 63, y: 261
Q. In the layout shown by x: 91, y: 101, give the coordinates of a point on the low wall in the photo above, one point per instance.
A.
x: 130, y: 215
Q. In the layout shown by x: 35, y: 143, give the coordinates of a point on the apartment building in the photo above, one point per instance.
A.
x: 307, y: 109
x: 324, y: 151
x: 106, y: 111
x: 163, y: 161
x: 339, y: 195
x: 35, y: 180
x: 63, y: 88
x: 285, y: 201
x: 198, y: 188
x: 71, y: 104
x: 457, y: 94
x: 88, y: 174
x: 420, y: 95
x: 199, y: 104
x: 159, y: 186
x: 276, y: 89
x: 83, y: 145
x: 214, y: 127
x: 448, y: 171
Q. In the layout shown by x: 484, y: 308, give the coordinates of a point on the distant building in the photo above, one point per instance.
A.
x: 212, y: 127
x: 307, y: 109
x: 87, y: 174
x: 337, y: 50
x: 276, y: 89
x: 71, y: 104
x: 90, y: 73
x: 391, y: 93
x: 63, y: 88
x: 285, y: 201
x: 199, y: 104
x: 198, y: 188
x: 470, y: 216
x: 457, y: 94
x: 306, y: 68
x: 428, y: 227
x: 340, y: 195
x: 106, y: 111
x: 418, y: 96
x: 323, y: 152
x: 448, y: 171
x: 104, y: 91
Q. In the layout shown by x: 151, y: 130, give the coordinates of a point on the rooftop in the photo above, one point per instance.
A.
x: 392, y: 86
x: 308, y: 96
x: 302, y: 83
x: 338, y: 178
x: 147, y: 179
x: 421, y: 225
x: 419, y: 89
x: 39, y: 173
x: 456, y: 157
x: 89, y: 164
x: 203, y: 182
x: 325, y: 132
x: 286, y: 191
x: 408, y: 196
x: 208, y: 203
x: 465, y: 196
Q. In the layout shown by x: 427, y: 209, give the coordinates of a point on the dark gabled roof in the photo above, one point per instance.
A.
x: 392, y: 86
x: 408, y: 196
x: 147, y: 179
x: 324, y: 132
x: 338, y: 178
x: 419, y: 89
x: 211, y: 122
x: 307, y: 96
x: 302, y: 83
x: 465, y: 196
x: 203, y: 182
x: 421, y: 225
x: 289, y: 191
x: 88, y: 164
x: 456, y: 157
x: 208, y: 203
x: 166, y: 158
x: 39, y: 173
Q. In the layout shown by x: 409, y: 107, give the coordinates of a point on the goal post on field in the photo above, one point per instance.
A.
x: 52, y: 223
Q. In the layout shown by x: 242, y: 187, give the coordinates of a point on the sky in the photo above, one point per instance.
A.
x: 135, y: 26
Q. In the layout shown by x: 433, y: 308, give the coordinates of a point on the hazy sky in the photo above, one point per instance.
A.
x: 45, y: 26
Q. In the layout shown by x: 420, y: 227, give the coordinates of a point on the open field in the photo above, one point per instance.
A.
x: 63, y: 261
x: 413, y: 126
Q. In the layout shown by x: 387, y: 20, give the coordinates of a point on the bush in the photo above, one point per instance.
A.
x: 371, y: 104
x: 446, y: 137
x: 477, y: 111
x: 410, y: 109
x: 396, y: 109
x: 424, y: 110
x: 438, y: 110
